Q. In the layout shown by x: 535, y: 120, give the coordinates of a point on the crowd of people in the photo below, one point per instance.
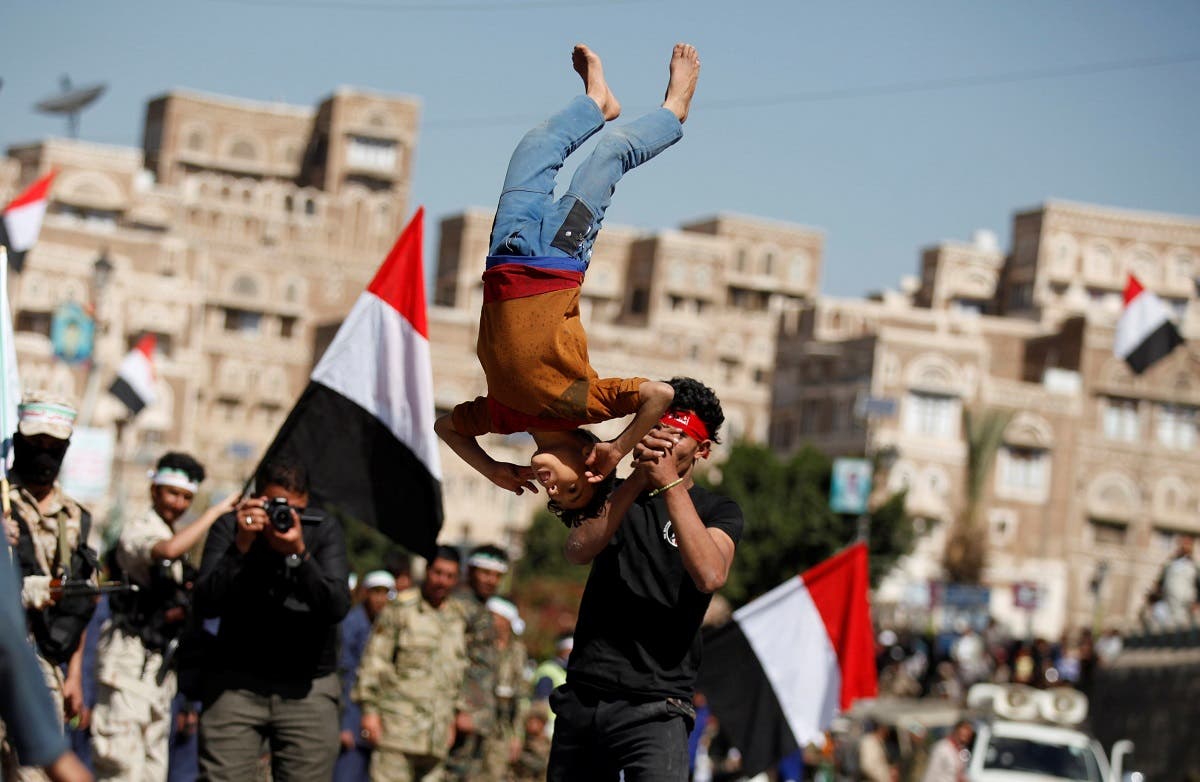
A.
x: 270, y: 661
x: 257, y: 641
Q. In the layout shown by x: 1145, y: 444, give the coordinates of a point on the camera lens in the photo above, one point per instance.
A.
x: 280, y: 514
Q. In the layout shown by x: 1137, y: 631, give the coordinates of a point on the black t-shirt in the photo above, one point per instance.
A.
x: 639, y: 622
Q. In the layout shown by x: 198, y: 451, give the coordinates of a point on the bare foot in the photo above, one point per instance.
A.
x: 685, y: 70
x: 587, y: 65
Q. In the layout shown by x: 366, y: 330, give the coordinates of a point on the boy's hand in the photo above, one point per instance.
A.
x: 601, y: 461
x: 654, y: 456
x: 513, y: 477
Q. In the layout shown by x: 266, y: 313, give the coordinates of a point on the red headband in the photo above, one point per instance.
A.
x: 688, y: 421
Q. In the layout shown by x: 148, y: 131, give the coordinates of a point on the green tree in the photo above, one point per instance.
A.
x: 789, y: 526
x: 966, y: 546
x: 365, y: 545
x: 542, y: 555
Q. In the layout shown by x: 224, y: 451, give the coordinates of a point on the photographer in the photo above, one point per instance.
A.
x: 275, y: 573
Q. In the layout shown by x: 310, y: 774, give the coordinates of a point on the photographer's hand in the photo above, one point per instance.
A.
x: 251, y: 519
x: 290, y: 542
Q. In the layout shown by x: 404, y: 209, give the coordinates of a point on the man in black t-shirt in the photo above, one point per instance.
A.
x: 657, y: 555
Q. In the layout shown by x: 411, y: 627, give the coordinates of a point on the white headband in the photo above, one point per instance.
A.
x: 487, y: 562
x: 170, y: 476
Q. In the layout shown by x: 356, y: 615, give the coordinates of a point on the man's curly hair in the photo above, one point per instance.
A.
x: 573, y: 517
x: 691, y: 394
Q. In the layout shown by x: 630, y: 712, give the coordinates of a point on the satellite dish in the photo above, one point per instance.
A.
x: 70, y: 102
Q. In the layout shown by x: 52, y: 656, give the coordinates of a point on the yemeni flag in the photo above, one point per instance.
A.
x: 776, y: 675
x: 134, y: 384
x: 22, y: 220
x: 363, y: 427
x: 1145, y: 332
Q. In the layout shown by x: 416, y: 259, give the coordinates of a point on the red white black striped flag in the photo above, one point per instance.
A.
x: 776, y: 675
x: 22, y: 220
x: 1145, y: 332
x: 134, y: 384
x: 363, y: 427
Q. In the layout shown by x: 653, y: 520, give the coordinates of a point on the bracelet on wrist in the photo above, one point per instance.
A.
x: 670, y: 485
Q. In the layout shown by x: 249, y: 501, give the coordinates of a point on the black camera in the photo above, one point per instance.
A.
x: 279, y: 513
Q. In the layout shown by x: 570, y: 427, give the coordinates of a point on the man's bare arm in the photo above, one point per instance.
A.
x: 512, y: 477
x: 707, y: 554
x: 588, y: 539
x: 182, y: 541
x: 655, y: 397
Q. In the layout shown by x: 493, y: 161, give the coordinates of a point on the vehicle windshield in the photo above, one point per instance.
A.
x: 1014, y: 754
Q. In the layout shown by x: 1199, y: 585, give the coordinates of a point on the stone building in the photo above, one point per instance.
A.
x: 232, y: 234
x: 1098, y: 470
x: 241, y: 233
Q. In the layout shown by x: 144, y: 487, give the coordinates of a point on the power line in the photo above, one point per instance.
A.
x: 874, y: 91
x: 366, y: 5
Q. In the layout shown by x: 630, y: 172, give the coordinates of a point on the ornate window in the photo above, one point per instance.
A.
x: 932, y: 415
x: 1120, y: 419
x: 1177, y: 426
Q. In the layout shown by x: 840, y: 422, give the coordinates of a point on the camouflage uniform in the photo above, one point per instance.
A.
x: 55, y: 534
x: 511, y: 685
x: 478, y: 698
x: 411, y: 675
x: 131, y: 723
x: 533, y: 761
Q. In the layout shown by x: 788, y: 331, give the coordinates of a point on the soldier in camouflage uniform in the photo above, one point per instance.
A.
x: 476, y: 718
x: 131, y: 722
x: 51, y: 531
x: 411, y: 677
x: 534, y: 757
x: 503, y: 745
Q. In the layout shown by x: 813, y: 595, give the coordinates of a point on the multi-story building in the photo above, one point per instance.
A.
x: 1098, y: 470
x: 241, y: 233
x: 235, y: 232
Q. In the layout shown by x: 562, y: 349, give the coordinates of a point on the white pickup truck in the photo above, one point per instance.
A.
x: 1028, y: 739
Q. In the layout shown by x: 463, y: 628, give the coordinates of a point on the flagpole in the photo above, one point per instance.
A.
x: 5, y: 500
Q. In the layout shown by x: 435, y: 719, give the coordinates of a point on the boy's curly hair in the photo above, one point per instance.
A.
x: 691, y: 394
x: 573, y: 517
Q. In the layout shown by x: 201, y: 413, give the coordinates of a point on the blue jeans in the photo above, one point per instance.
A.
x: 529, y: 222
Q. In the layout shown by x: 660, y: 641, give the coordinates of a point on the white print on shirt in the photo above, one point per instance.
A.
x: 669, y: 534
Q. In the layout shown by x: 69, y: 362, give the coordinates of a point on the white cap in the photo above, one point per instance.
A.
x: 505, y: 608
x: 379, y: 579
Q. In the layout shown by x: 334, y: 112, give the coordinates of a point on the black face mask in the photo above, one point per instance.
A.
x: 37, y: 466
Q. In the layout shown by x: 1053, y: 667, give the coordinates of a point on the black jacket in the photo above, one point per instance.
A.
x: 278, y: 625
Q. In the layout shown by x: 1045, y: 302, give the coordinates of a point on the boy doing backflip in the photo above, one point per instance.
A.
x: 532, y: 343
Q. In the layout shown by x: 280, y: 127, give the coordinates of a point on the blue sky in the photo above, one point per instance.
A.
x: 820, y: 114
